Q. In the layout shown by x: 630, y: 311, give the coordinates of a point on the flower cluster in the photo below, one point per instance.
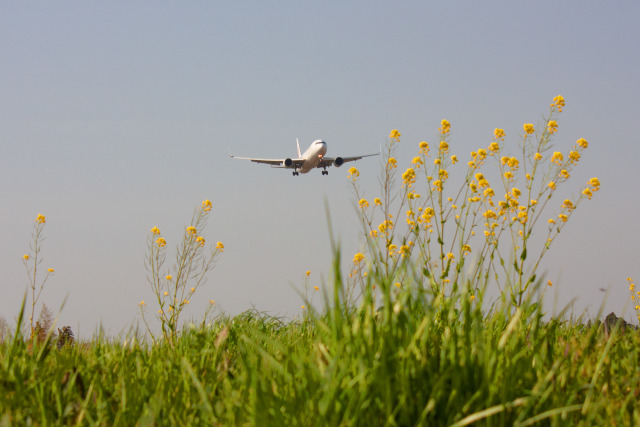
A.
x: 174, y: 288
x: 441, y: 225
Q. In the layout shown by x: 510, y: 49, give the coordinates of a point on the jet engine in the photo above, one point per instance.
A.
x: 287, y: 163
x: 338, y: 161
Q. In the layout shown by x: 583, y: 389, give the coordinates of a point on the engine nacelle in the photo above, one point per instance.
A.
x: 338, y: 161
x: 287, y: 163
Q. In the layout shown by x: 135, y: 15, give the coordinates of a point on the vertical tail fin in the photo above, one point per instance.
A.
x: 298, y: 143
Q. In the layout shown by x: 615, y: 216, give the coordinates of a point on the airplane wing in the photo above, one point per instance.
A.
x: 273, y: 162
x: 330, y: 161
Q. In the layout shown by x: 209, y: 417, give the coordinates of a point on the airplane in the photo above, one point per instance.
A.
x: 312, y: 158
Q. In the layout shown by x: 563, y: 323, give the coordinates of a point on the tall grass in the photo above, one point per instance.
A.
x: 422, y: 360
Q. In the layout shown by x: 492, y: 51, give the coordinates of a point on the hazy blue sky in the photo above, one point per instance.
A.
x: 116, y: 117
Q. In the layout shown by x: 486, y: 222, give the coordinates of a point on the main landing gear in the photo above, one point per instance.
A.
x: 295, y: 173
x: 325, y: 172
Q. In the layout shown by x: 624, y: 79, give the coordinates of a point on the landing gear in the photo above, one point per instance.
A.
x: 325, y: 172
x: 296, y: 173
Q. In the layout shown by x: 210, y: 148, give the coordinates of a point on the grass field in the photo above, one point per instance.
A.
x: 418, y: 361
x: 405, y: 337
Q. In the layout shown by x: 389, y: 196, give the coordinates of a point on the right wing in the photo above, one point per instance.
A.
x: 272, y: 162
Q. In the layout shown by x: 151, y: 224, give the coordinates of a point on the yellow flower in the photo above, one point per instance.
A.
x: 552, y: 126
x: 450, y: 256
x: 211, y: 301
x: 533, y: 202
x: 558, y: 102
x: 499, y: 133
x: 489, y: 214
x: 551, y: 221
x: 392, y: 248
x: 26, y: 257
x: 409, y: 176
x: 363, y: 203
x: 489, y: 192
x: 206, y: 205
x: 353, y: 173
x: 574, y: 156
x: 392, y: 162
x: 169, y: 277
x: 437, y: 185
x: 565, y: 174
x: 568, y: 204
x: 193, y: 289
x: 508, y: 175
x: 582, y: 143
x: 161, y: 242
x: 549, y: 283
x: 417, y: 161
x: 538, y: 156
x: 424, y: 147
x: 446, y: 126
x: 454, y: 159
x: 563, y: 217
x: 191, y: 230
x: 315, y: 288
x: 587, y: 192
x: 557, y: 157
x: 50, y: 270
x: 385, y: 226
x: 220, y: 246
x: 142, y: 304
x: 377, y: 201
x: 472, y: 297
x: 552, y: 185
x: 594, y: 183
x: 200, y: 240
x: 357, y: 258
x: 494, y: 146
x: 528, y: 128
x: 166, y: 293
x: 395, y: 134
x: 444, y: 147
x: 308, y: 273
x: 155, y: 231
x: 41, y: 219
x: 516, y: 192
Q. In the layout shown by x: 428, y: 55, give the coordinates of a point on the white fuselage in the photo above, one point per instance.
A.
x: 313, y: 155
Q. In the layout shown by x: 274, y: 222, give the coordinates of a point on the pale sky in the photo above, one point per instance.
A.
x: 117, y: 117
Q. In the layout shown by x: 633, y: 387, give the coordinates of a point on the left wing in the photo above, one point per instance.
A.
x: 338, y: 161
